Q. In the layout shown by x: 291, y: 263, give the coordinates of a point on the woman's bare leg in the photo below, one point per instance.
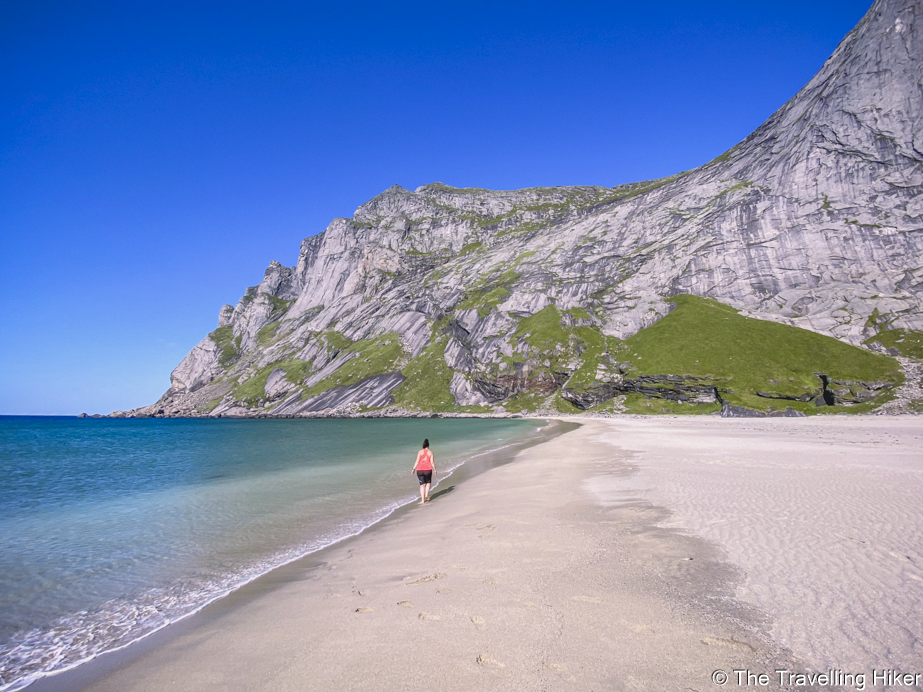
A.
x: 423, y: 492
x: 426, y: 492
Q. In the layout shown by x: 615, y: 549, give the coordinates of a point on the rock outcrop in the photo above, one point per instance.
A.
x: 440, y: 295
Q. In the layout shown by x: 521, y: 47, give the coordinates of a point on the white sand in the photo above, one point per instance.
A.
x: 631, y: 554
x: 823, y: 515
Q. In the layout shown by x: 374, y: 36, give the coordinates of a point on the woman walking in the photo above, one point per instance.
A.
x: 425, y: 467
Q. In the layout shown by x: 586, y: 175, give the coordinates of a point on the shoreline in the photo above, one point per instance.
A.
x: 88, y: 670
x: 566, y: 567
x: 509, y: 594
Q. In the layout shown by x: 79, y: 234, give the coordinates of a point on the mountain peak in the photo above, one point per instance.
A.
x: 467, y: 299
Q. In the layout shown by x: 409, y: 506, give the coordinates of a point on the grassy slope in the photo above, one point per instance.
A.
x: 702, y: 337
x: 544, y: 332
x: 907, y: 341
x: 373, y: 357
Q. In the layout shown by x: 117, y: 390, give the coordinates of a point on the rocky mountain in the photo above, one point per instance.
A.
x: 448, y: 299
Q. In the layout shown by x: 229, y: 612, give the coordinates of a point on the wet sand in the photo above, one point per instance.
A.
x: 591, y: 562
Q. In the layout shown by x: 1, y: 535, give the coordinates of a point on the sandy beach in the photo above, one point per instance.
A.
x: 629, y: 554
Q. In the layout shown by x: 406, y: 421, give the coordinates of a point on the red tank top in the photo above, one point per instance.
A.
x: 426, y: 461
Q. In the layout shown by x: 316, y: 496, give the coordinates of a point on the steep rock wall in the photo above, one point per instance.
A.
x: 815, y: 220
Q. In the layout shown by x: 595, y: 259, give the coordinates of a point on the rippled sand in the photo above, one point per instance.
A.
x: 824, y: 516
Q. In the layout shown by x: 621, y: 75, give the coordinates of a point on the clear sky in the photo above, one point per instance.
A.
x: 156, y: 156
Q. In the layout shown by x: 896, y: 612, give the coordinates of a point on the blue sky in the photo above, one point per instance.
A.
x: 155, y: 157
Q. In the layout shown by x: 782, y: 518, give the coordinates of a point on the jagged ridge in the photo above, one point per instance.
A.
x: 435, y: 298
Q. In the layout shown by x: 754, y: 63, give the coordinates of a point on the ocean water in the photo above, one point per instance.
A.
x: 111, y: 529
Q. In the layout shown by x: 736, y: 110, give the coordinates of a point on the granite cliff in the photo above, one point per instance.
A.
x: 448, y: 299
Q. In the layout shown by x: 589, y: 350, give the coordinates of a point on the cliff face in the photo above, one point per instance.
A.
x: 446, y: 297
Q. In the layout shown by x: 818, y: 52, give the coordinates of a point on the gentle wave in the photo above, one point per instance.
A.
x: 83, y: 636
x: 76, y: 639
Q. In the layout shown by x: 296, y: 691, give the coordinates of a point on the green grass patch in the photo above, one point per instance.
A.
x: 705, y: 338
x: 428, y: 379
x: 562, y: 405
x: 278, y: 305
x: 605, y: 407
x: 484, y: 301
x: 739, y: 186
x: 524, y: 227
x: 295, y: 370
x: 544, y: 332
x: 723, y: 157
x: 907, y: 341
x: 229, y: 347
x: 523, y: 402
x: 590, y: 345
x: 562, y: 346
x: 267, y: 333
x: 624, y: 192
x: 459, y: 190
x: 376, y: 356
x: 211, y: 405
x: 252, y: 392
x: 640, y: 405
x: 487, y: 293
x: 470, y: 247
x: 336, y: 341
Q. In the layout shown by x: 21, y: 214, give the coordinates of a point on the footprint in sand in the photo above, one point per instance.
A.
x: 728, y: 643
x: 489, y: 527
x: 556, y: 667
x: 364, y: 610
x: 406, y: 604
x: 489, y: 662
x: 429, y: 578
x: 428, y: 616
x: 491, y: 580
x: 363, y: 592
x: 477, y: 619
x: 587, y: 599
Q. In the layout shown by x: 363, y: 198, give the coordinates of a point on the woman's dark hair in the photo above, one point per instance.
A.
x: 425, y: 444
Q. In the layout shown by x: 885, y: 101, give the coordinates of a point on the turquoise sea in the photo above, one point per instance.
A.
x: 112, y: 528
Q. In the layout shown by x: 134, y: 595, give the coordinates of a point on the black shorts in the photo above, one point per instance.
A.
x: 425, y: 477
